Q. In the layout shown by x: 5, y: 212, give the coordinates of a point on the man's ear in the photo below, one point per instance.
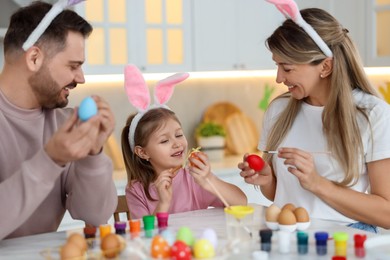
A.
x: 140, y: 152
x: 34, y: 58
x: 327, y: 67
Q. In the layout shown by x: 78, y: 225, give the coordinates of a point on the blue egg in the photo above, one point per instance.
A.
x: 168, y: 236
x: 210, y: 235
x: 87, y: 109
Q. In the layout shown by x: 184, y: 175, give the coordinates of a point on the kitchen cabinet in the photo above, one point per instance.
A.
x: 231, y: 34
x: 152, y: 34
x: 378, y: 33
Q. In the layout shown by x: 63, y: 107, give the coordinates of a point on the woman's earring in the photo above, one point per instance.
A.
x: 321, y: 76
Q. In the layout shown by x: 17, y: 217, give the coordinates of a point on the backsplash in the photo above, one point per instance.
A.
x: 192, y: 97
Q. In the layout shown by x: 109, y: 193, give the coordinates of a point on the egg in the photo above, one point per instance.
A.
x: 287, y: 217
x: 78, y: 240
x: 111, y: 245
x: 70, y: 251
x: 159, y: 247
x: 289, y: 206
x: 272, y: 213
x: 211, y: 236
x: 203, y: 249
x: 301, y: 215
x: 185, y: 234
x: 168, y: 235
x: 180, y: 251
x: 87, y: 109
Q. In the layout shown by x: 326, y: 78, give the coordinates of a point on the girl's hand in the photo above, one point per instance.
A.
x: 199, y: 167
x: 301, y: 165
x: 163, y: 184
x: 261, y: 178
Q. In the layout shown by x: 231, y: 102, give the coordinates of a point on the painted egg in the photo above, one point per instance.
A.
x: 255, y: 162
x: 159, y: 247
x: 168, y: 235
x: 87, y: 109
x: 185, y: 234
x: 211, y: 236
x: 203, y: 249
x: 180, y: 251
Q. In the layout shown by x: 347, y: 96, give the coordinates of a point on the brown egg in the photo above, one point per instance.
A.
x: 272, y: 213
x: 301, y: 215
x: 111, y: 245
x: 71, y: 251
x: 287, y: 217
x: 78, y: 240
x: 289, y: 206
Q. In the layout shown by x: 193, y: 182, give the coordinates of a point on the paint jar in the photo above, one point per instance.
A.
x: 359, y: 240
x: 104, y: 230
x: 162, y: 220
x: 149, y: 225
x: 321, y: 242
x: 340, y: 243
x: 302, y: 242
x: 265, y: 239
x: 135, y: 228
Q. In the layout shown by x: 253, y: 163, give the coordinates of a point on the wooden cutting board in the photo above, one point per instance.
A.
x: 242, y: 135
x: 219, y: 111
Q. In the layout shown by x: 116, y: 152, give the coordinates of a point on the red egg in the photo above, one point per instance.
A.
x: 180, y: 251
x: 255, y: 162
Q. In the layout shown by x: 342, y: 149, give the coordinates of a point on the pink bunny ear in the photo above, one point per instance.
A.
x: 164, y: 88
x: 136, y: 89
x: 287, y: 7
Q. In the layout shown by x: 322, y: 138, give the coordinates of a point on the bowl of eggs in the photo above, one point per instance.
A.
x: 287, y: 218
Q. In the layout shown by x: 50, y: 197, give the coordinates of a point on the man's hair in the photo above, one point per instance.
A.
x: 26, y: 19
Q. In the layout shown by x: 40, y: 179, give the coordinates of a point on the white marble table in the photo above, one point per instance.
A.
x: 30, y: 247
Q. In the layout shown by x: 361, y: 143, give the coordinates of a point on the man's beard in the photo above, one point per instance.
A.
x: 46, y: 90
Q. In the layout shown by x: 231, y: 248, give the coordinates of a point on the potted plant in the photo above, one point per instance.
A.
x: 210, y: 137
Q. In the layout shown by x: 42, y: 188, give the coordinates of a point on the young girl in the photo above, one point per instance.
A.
x: 153, y: 148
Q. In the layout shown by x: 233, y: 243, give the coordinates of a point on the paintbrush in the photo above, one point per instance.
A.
x: 316, y: 152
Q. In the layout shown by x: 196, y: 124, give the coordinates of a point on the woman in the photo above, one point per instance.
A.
x: 330, y: 129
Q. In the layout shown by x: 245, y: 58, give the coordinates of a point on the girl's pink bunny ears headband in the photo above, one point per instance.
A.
x: 138, y: 93
x: 290, y: 9
x: 56, y: 9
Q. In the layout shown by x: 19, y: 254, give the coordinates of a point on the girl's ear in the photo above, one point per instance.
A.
x: 327, y: 67
x: 141, y: 153
x: 34, y: 58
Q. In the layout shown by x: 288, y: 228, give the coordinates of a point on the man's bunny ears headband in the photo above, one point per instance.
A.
x: 55, y: 10
x: 290, y: 9
x: 138, y: 93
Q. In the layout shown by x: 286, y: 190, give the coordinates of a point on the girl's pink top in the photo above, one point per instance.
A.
x: 187, y: 196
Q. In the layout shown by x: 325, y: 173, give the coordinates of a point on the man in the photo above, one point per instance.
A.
x: 50, y: 161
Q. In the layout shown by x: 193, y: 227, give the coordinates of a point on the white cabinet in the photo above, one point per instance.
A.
x: 377, y: 32
x: 152, y: 34
x: 231, y: 34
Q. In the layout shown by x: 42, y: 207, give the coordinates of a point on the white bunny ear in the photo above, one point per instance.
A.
x: 136, y: 89
x: 164, y: 88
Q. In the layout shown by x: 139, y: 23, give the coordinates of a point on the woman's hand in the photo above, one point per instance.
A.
x: 301, y: 165
x: 261, y: 178
x: 199, y: 167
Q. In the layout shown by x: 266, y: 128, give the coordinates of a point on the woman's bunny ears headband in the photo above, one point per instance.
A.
x: 55, y: 10
x: 138, y: 93
x: 290, y: 9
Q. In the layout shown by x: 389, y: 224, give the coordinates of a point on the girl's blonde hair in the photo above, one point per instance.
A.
x: 139, y: 169
x: 340, y: 113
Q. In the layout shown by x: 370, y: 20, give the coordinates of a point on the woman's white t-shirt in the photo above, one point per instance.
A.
x: 307, y: 134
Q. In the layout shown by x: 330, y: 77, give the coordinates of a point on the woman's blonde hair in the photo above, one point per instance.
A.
x: 139, y: 169
x: 340, y: 113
